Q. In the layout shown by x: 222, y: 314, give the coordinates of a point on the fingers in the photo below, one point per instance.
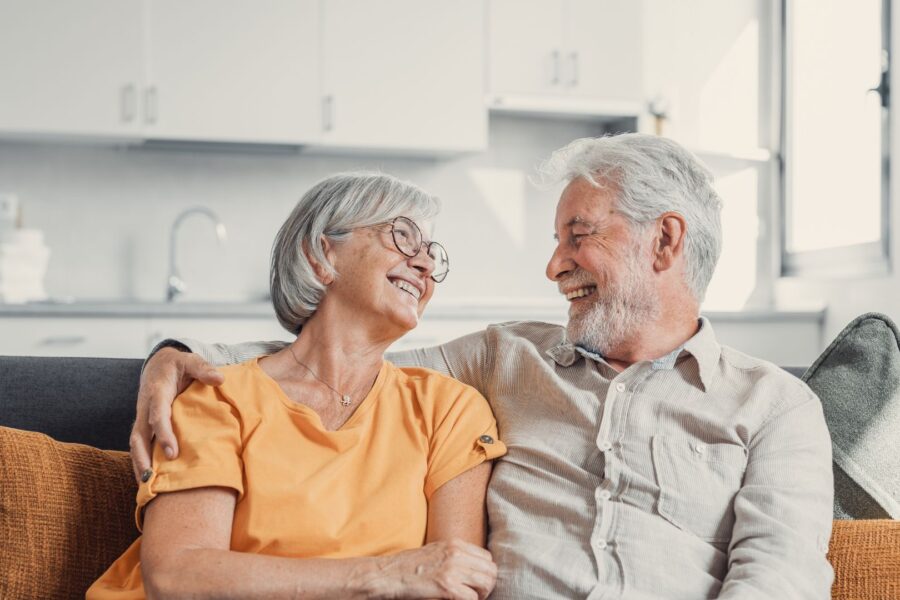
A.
x: 140, y: 445
x: 197, y: 368
x: 159, y: 419
x: 475, y: 570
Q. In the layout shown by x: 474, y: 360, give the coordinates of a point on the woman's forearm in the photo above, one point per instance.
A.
x: 210, y: 573
x: 451, y: 569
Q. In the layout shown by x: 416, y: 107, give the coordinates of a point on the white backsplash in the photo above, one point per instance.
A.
x: 106, y: 212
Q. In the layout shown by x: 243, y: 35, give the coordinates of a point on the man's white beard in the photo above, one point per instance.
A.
x: 618, y: 310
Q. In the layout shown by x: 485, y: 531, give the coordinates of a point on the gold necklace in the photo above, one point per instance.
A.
x: 346, y: 400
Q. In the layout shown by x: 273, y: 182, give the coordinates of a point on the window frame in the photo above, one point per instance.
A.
x: 865, y: 259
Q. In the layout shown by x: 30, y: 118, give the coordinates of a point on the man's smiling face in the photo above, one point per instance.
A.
x: 603, y: 266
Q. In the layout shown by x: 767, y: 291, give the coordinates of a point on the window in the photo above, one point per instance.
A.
x: 835, y: 141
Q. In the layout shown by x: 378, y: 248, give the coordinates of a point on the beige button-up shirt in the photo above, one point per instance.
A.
x: 703, y: 474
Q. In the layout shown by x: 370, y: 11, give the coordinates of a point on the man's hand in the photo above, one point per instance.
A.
x: 168, y: 373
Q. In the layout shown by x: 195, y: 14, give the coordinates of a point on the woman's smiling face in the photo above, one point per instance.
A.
x: 378, y: 283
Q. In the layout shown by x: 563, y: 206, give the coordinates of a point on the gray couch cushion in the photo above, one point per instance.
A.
x: 858, y: 380
x: 85, y: 400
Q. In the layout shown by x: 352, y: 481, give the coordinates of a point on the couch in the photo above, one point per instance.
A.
x: 67, y: 489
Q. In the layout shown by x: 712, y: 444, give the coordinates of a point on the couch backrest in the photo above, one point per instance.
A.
x: 84, y: 400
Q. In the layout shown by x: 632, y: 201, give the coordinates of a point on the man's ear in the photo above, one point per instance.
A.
x: 322, y: 273
x: 670, y: 231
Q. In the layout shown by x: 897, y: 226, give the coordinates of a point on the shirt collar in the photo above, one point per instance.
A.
x: 703, y: 347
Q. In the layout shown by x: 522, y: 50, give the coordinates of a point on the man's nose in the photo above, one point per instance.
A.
x: 560, y: 264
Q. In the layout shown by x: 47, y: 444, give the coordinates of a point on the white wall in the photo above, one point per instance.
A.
x: 106, y: 212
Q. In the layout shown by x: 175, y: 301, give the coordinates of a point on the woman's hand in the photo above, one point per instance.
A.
x: 447, y: 569
x: 168, y: 373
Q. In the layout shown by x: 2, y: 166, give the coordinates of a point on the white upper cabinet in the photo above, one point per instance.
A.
x: 585, y: 54
x: 403, y: 74
x: 604, y: 49
x: 70, y: 68
x: 525, y: 46
x: 232, y: 71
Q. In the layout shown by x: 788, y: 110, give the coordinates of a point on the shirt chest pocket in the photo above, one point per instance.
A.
x: 697, y: 484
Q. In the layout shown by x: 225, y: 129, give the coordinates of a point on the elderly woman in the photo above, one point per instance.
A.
x: 322, y: 470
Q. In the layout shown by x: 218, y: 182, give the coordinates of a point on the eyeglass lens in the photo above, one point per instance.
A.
x: 408, y: 239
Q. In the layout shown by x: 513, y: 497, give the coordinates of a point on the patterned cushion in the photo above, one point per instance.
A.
x: 866, y: 560
x: 66, y: 513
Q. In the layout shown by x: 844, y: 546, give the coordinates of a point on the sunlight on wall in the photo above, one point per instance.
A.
x: 729, y: 97
x: 503, y: 191
x: 735, y: 277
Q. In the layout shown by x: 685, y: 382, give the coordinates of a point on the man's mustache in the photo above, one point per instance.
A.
x: 577, y: 279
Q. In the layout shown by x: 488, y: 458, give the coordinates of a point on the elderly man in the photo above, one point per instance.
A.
x: 645, y: 460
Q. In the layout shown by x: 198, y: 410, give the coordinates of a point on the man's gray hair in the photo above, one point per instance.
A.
x: 331, y: 209
x: 652, y: 175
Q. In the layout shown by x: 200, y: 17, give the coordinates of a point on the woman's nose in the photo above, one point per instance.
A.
x: 422, y: 262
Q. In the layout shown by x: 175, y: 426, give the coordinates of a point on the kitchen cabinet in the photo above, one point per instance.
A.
x: 403, y: 74
x: 558, y: 53
x: 233, y: 71
x: 393, y: 75
x: 161, y: 69
x: 70, y: 68
x: 603, y: 49
x: 74, y: 336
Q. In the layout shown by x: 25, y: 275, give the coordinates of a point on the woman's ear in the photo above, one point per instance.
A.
x: 322, y: 273
x: 670, y: 231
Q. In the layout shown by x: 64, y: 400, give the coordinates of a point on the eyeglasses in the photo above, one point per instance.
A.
x: 408, y: 239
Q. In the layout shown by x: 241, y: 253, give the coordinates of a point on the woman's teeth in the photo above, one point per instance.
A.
x: 581, y: 292
x: 407, y: 287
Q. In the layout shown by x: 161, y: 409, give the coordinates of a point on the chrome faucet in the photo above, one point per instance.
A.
x: 175, y: 284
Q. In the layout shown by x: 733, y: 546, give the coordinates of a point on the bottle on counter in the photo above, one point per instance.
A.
x: 23, y: 256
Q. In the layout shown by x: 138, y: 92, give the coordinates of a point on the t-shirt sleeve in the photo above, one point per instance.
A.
x: 464, y: 436
x: 208, y: 429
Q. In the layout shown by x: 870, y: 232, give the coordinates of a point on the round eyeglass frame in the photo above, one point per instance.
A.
x: 418, y: 243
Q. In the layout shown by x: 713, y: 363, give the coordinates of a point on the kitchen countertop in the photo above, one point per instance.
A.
x: 120, y: 308
x: 500, y: 309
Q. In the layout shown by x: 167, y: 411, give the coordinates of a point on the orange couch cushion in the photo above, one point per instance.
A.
x: 66, y: 513
x: 866, y: 560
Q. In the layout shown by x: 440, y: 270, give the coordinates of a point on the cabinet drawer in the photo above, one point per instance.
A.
x: 54, y: 336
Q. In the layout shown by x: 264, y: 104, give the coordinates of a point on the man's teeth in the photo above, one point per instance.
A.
x: 581, y: 292
x: 407, y: 287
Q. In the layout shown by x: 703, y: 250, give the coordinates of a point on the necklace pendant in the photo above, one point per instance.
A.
x: 346, y: 400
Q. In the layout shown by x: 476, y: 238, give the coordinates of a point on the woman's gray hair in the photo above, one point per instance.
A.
x: 651, y: 175
x: 331, y: 209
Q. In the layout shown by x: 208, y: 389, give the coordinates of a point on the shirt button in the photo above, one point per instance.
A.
x: 601, y: 544
x: 620, y: 387
x: 700, y: 447
x: 604, y: 446
x: 604, y: 495
x: 486, y: 439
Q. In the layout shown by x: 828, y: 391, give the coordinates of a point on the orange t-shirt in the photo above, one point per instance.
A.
x: 304, y: 491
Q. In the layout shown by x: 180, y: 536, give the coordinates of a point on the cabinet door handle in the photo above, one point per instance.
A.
x: 63, y: 340
x: 150, y: 107
x: 554, y: 68
x: 573, y: 58
x: 328, y: 112
x: 128, y: 102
